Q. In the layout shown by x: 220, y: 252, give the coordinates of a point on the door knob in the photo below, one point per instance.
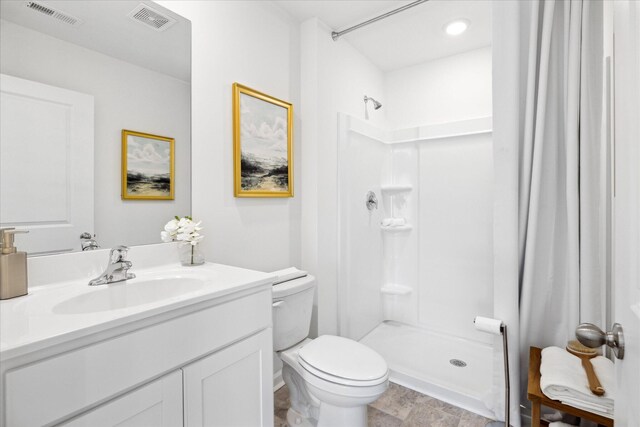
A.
x: 593, y: 337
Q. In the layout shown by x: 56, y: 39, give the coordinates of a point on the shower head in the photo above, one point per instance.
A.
x: 376, y: 104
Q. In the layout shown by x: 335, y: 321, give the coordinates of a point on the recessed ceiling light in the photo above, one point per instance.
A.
x: 456, y: 27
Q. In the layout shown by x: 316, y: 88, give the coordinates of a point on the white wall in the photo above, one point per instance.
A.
x: 256, y: 44
x: 449, y: 89
x: 335, y: 78
x: 259, y: 45
x: 456, y: 264
x: 456, y: 234
x: 126, y: 97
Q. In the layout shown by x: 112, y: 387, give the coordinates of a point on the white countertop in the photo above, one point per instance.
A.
x: 46, y: 317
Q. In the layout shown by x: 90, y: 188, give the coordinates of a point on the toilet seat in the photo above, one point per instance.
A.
x: 343, y: 361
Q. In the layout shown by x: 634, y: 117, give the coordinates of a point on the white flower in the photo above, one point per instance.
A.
x: 171, y: 227
x: 188, y: 229
x: 182, y: 230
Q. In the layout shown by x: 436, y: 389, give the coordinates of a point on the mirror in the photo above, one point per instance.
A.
x: 75, y: 75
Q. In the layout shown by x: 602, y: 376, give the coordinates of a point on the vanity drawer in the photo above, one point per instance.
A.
x: 70, y: 383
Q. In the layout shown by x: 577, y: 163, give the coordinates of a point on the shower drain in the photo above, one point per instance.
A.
x: 458, y: 363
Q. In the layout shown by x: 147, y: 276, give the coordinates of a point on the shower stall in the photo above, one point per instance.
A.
x: 415, y: 268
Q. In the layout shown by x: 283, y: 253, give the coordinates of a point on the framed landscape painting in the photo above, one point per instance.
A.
x: 262, y: 144
x: 147, y: 166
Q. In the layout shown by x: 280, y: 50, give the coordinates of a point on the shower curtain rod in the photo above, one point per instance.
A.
x: 336, y: 34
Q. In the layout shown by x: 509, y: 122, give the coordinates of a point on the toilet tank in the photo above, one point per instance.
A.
x: 292, y: 306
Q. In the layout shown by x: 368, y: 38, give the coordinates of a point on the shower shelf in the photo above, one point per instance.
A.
x: 395, y: 289
x: 396, y: 228
x: 396, y: 188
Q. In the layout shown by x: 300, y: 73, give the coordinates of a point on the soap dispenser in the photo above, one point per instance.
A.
x: 13, y: 266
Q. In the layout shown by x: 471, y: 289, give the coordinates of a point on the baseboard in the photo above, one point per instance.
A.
x: 278, y: 382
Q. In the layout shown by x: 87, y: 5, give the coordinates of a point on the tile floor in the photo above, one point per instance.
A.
x: 399, y: 407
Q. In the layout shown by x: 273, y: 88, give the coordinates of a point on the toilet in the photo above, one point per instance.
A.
x: 331, y: 379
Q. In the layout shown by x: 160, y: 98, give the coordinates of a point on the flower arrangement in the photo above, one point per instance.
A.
x: 185, y: 231
x: 182, y: 230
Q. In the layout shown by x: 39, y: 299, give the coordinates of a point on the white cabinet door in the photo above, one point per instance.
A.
x: 157, y: 404
x: 46, y: 164
x: 232, y: 387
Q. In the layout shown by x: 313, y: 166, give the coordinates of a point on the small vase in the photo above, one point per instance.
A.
x: 190, y: 255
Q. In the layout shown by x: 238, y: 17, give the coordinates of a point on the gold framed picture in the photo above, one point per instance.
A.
x: 262, y: 144
x: 147, y: 166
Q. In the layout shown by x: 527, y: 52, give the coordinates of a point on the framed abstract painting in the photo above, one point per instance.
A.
x: 147, y: 166
x: 262, y: 144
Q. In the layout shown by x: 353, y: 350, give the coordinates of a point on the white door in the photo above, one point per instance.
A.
x: 157, y: 404
x: 233, y: 387
x: 626, y: 217
x: 46, y: 164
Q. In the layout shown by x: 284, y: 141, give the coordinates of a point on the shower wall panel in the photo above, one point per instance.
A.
x: 401, y: 248
x: 435, y: 272
x: 363, y: 162
x: 455, y: 234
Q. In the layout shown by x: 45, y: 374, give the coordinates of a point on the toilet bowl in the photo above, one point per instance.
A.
x: 330, y: 379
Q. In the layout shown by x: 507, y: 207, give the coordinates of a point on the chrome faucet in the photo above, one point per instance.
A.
x: 88, y: 242
x: 117, y: 270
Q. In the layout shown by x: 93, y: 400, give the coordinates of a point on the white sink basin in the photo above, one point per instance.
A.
x: 61, y: 310
x: 131, y: 293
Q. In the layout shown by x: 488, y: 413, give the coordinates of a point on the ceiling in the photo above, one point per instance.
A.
x: 107, y: 29
x: 408, y: 38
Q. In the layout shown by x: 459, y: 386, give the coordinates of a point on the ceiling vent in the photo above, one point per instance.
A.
x: 151, y: 17
x: 53, y: 13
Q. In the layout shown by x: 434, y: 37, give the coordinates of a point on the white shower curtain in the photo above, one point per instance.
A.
x: 561, y: 203
x: 561, y: 208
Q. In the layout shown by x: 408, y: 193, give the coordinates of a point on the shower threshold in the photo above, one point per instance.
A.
x: 452, y: 369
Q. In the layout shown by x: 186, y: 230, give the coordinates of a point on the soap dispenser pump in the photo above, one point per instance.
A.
x: 13, y: 266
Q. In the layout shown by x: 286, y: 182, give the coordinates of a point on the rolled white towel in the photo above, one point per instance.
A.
x: 398, y: 222
x: 288, y: 274
x: 562, y: 378
x: 393, y: 222
x: 386, y: 222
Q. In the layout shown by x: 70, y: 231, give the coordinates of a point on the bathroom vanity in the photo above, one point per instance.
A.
x: 175, y: 346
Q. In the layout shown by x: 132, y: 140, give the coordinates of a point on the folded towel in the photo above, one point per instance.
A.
x: 386, y: 222
x: 563, y: 378
x: 288, y: 274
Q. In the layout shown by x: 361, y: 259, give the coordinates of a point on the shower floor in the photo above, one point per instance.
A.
x: 420, y: 360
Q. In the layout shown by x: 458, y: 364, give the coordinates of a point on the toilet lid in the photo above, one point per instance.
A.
x: 335, y: 358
